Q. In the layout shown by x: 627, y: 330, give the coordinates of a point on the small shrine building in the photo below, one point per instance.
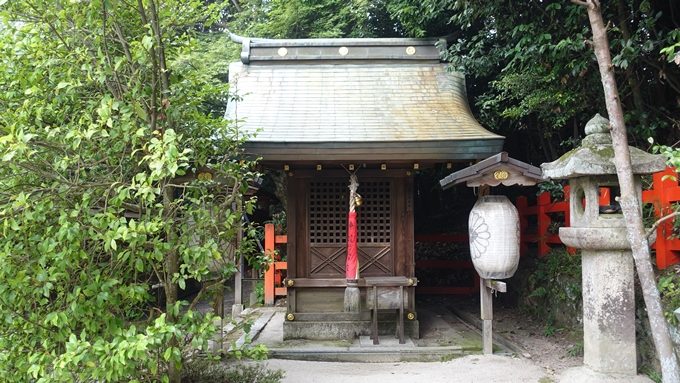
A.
x: 322, y: 109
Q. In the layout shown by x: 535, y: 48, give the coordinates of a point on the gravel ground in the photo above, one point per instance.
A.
x: 472, y: 369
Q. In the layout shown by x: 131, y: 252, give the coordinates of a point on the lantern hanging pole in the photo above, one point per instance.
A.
x: 351, y: 303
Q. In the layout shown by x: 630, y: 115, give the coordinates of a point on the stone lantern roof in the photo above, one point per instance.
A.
x: 595, y: 156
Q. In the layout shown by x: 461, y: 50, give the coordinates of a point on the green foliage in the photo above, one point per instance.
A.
x: 671, y: 153
x: 530, y: 67
x: 555, y: 188
x: 313, y: 19
x: 553, y: 290
x: 209, y: 371
x: 107, y: 111
x: 669, y: 289
x: 576, y: 350
x: 259, y: 292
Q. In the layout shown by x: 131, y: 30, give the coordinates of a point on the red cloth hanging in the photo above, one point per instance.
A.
x: 351, y: 264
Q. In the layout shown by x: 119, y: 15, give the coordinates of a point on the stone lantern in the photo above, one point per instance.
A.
x: 607, y: 262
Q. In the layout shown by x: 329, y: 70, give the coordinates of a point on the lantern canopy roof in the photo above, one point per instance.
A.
x: 595, y: 156
x: 494, y: 171
x: 353, y: 99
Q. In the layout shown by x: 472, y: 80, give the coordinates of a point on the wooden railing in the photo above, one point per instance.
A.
x: 273, y: 280
x: 664, y: 193
x: 541, y: 233
x: 445, y: 264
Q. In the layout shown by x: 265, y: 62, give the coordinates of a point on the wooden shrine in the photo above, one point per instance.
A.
x: 320, y: 110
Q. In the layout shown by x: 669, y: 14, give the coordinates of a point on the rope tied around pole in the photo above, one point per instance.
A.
x: 351, y: 303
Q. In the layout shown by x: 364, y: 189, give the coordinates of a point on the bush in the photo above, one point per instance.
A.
x: 553, y: 289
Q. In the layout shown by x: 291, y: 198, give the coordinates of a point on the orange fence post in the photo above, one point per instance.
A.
x: 543, y: 220
x: 269, y: 273
x: 663, y: 193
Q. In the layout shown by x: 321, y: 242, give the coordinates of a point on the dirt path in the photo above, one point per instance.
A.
x: 472, y: 369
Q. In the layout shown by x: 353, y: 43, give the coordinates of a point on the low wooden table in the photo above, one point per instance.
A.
x: 391, y: 297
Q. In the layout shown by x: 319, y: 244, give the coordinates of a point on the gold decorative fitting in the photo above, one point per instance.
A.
x: 408, y: 172
x: 290, y: 317
x: 286, y: 168
x: 411, y: 282
x: 318, y: 167
x: 410, y: 51
x: 343, y: 51
x: 383, y: 166
x: 449, y: 165
x: 501, y: 175
x: 351, y: 167
x: 409, y: 316
x: 358, y: 200
x: 282, y: 51
x: 290, y: 282
x: 416, y: 166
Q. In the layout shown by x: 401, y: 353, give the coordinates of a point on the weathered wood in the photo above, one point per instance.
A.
x: 322, y: 282
x: 291, y: 246
x: 342, y: 174
x: 320, y: 299
x: 388, y: 298
x: 332, y: 316
x: 486, y: 302
x: 408, y: 253
x: 393, y: 299
x: 487, y: 337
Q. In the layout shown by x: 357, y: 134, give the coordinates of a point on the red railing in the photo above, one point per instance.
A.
x: 542, y: 236
x: 446, y: 264
x: 664, y: 193
x: 273, y: 280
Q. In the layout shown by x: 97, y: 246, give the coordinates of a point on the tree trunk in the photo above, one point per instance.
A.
x: 628, y: 200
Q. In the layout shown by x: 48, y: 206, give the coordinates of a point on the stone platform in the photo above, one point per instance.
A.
x: 443, y: 336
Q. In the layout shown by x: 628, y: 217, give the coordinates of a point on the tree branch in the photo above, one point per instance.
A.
x: 660, y: 221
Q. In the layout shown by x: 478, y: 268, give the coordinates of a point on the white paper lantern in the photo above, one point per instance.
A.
x: 494, y: 237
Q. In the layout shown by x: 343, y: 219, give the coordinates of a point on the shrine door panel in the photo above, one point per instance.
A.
x: 327, y: 210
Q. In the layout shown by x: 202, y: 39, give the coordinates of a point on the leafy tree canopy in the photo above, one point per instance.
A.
x: 532, y: 74
x: 108, y: 111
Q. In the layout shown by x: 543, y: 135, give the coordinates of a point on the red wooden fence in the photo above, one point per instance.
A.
x: 273, y: 281
x: 447, y: 264
x: 545, y: 206
x: 664, y: 193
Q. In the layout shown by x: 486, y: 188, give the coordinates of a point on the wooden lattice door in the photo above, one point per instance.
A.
x: 327, y: 222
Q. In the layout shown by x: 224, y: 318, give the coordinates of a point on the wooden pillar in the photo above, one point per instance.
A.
x: 543, y: 221
x: 486, y: 290
x: 237, y: 307
x: 486, y: 300
x: 269, y: 273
